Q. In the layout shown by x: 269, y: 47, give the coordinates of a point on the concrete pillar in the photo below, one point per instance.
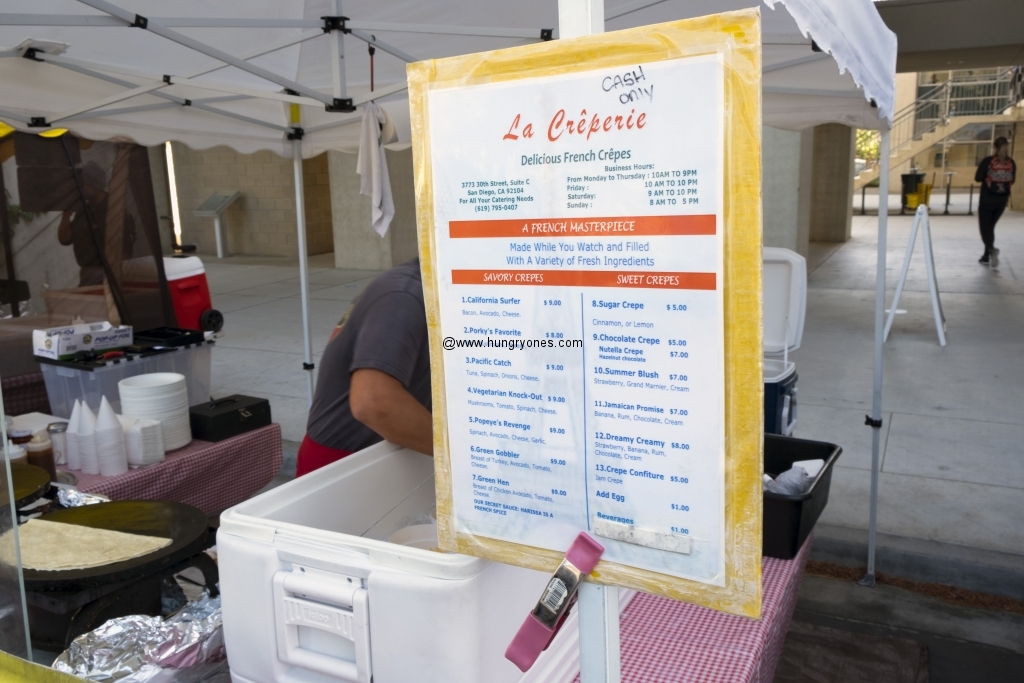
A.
x: 780, y: 187
x: 832, y: 183
x: 806, y: 190
x: 1017, y: 152
x: 404, y: 245
x: 161, y: 197
x: 356, y: 244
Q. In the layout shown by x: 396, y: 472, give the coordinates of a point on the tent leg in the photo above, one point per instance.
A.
x: 598, y: 605
x: 599, y: 633
x: 300, y: 221
x: 875, y: 420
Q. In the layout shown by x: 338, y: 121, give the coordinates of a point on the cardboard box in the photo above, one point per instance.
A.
x: 62, y: 343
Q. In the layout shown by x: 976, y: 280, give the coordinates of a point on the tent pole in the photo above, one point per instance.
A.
x: 875, y: 420
x: 300, y: 223
x: 337, y: 39
x: 599, y: 605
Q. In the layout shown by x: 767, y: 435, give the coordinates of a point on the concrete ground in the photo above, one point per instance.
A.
x: 963, y: 644
x: 953, y: 433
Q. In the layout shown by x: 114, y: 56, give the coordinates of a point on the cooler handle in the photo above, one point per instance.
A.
x: 788, y: 425
x: 341, y: 608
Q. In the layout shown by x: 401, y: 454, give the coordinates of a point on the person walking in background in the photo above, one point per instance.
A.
x: 996, y: 174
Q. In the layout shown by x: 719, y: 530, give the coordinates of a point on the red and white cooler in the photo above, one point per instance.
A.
x: 190, y: 294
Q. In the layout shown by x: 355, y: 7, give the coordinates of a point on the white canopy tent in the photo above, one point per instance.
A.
x: 225, y: 73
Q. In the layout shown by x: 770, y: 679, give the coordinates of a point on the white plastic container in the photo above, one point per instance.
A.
x: 314, y: 592
x: 785, y: 300
x: 785, y: 306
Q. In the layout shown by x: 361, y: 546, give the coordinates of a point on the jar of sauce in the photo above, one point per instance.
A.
x: 16, y: 453
x: 40, y: 453
x: 20, y: 436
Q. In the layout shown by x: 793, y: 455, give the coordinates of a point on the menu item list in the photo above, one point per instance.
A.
x: 579, y: 256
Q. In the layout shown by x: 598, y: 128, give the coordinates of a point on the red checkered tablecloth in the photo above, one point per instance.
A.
x: 209, y: 476
x: 665, y: 641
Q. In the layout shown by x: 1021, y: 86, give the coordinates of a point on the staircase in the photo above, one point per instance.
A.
x: 944, y: 110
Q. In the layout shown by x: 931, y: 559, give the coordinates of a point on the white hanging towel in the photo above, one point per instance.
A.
x: 372, y: 167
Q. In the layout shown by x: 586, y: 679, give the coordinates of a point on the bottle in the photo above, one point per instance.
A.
x: 58, y: 433
x: 16, y: 454
x: 40, y: 453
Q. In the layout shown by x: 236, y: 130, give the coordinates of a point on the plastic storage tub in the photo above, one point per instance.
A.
x: 190, y: 292
x: 66, y: 381
x: 788, y: 520
x: 314, y: 592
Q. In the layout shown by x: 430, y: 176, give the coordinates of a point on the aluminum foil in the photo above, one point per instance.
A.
x: 70, y: 497
x: 187, y: 647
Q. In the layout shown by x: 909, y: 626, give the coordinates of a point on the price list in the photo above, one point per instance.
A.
x: 579, y: 265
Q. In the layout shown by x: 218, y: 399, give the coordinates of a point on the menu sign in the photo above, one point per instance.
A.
x: 577, y: 252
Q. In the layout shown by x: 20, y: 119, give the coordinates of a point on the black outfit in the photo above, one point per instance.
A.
x: 386, y: 329
x: 996, y: 176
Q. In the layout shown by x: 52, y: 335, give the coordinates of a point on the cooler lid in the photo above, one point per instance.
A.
x: 181, y: 268
x: 785, y: 299
x: 776, y: 370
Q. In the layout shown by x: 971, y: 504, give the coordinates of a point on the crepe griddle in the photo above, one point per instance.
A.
x: 30, y: 482
x: 186, y: 526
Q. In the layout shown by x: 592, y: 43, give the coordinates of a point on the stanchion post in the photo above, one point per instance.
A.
x: 863, y: 198
x: 970, y: 202
x: 949, y: 186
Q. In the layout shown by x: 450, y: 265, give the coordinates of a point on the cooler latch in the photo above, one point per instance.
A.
x: 323, y: 623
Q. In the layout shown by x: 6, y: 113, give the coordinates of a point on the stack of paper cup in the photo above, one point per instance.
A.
x: 159, y: 396
x: 110, y: 447
x: 74, y: 460
x: 87, y: 440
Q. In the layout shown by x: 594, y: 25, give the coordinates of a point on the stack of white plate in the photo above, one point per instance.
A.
x: 159, y: 396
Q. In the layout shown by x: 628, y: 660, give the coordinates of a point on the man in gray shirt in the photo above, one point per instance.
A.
x: 374, y: 378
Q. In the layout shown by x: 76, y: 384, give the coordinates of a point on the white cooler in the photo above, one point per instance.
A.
x: 314, y: 593
x: 784, y: 307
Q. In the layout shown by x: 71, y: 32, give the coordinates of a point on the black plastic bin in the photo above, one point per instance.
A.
x: 788, y: 520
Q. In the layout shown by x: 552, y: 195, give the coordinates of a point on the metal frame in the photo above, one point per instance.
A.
x: 201, y: 47
x: 811, y: 92
x: 806, y: 59
x: 240, y: 23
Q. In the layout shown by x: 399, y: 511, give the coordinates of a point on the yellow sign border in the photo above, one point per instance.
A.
x: 737, y: 36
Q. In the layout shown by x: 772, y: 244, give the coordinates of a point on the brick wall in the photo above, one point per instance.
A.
x: 319, y: 230
x: 262, y: 221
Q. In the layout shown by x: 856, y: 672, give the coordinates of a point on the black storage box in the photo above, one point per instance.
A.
x: 169, y: 336
x: 788, y: 520
x: 227, y: 417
